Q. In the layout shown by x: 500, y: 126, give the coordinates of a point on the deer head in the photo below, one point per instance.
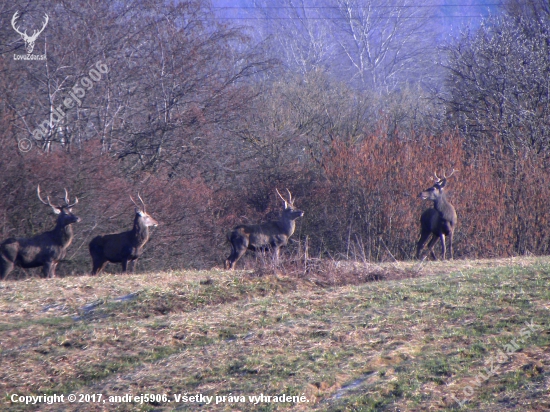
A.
x: 66, y: 216
x: 29, y: 40
x: 436, y: 190
x: 289, y: 210
x: 141, y: 212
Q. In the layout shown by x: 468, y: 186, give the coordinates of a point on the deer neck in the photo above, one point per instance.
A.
x: 446, y: 210
x: 63, y: 234
x: 140, y: 232
x: 287, y: 226
x: 440, y: 203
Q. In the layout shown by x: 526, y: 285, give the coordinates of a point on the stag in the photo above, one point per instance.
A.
x: 439, y: 221
x: 269, y: 235
x: 46, y: 249
x: 29, y: 40
x: 125, y: 247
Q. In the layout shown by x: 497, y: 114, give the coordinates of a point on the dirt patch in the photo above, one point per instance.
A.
x: 329, y: 273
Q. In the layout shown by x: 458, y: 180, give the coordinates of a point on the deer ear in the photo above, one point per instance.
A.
x: 56, y: 210
x: 443, y: 183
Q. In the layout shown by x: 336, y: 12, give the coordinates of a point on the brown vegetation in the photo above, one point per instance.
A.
x: 363, y: 203
x: 205, y: 122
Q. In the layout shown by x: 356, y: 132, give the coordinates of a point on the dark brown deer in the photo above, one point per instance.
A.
x: 439, y: 221
x: 125, y: 247
x: 46, y: 249
x: 269, y: 235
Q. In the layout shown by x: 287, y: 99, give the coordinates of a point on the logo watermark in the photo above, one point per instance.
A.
x: 24, y: 145
x: 493, y: 362
x: 72, y: 99
x: 29, y: 40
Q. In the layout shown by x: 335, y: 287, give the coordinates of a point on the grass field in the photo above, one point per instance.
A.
x: 460, y: 335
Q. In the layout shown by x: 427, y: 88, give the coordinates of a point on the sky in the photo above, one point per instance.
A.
x: 453, y: 14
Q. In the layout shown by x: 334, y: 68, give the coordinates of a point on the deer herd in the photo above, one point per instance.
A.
x: 47, y: 249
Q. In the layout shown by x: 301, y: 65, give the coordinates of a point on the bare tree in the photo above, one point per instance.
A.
x: 299, y: 33
x: 270, y: 235
x: 498, y: 91
x: 46, y: 249
x: 385, y: 42
x: 375, y: 45
x: 538, y: 10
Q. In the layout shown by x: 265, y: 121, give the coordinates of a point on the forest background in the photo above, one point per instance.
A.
x: 205, y: 110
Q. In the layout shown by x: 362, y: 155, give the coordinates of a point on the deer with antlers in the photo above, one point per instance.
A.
x: 439, y: 221
x: 269, y: 235
x: 46, y: 249
x: 125, y: 247
x: 29, y: 40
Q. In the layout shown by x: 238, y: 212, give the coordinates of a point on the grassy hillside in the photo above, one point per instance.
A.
x: 335, y: 337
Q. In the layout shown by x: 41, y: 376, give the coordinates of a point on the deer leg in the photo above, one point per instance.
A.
x: 48, y: 270
x: 235, y: 257
x: 421, y: 243
x: 97, y: 269
x: 238, y: 248
x: 451, y: 244
x: 443, y: 249
x: 6, y: 267
x: 229, y: 261
x: 98, y: 265
x: 54, y: 267
x: 276, y: 250
x: 431, y: 246
x: 8, y: 256
x: 124, y: 265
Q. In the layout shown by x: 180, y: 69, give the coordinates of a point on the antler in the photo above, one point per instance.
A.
x: 67, y: 204
x: 133, y: 201
x: 281, y: 196
x: 452, y: 173
x: 289, y: 201
x: 48, y: 203
x: 290, y: 197
x: 142, y: 202
x: 438, y: 179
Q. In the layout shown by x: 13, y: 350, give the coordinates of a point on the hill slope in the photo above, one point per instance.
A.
x: 429, y: 336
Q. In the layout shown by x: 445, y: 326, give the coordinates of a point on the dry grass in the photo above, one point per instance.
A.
x: 350, y: 336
